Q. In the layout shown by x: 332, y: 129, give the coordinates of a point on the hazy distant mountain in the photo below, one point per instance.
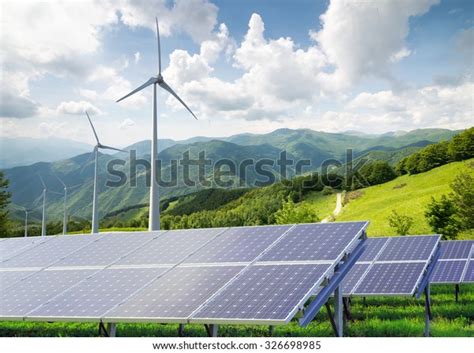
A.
x: 25, y: 150
x: 299, y: 144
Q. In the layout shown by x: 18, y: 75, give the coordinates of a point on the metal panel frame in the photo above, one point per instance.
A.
x: 347, y: 250
x: 332, y: 273
x: 429, y: 263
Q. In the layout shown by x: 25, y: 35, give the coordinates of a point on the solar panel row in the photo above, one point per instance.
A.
x: 391, y: 266
x: 455, y: 264
x: 174, y: 276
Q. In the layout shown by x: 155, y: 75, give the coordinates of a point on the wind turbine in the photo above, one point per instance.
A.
x: 154, y: 215
x: 43, y: 219
x: 95, y: 206
x: 26, y: 221
x: 65, y: 205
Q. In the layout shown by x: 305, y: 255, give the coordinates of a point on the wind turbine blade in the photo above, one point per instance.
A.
x: 59, y: 179
x: 111, y: 148
x: 146, y: 84
x: 165, y: 86
x: 92, y: 126
x: 159, y: 46
x: 42, y: 181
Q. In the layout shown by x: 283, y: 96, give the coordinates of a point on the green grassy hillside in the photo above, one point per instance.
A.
x: 408, y: 195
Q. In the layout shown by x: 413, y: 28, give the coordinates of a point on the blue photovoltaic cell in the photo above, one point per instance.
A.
x: 98, y: 294
x: 8, y: 278
x: 14, y: 246
x: 320, y: 241
x: 170, y: 247
x: 176, y: 294
x: 455, y: 249
x: 391, y: 278
x: 353, y: 277
x: 109, y: 248
x: 35, y: 290
x: 372, y: 248
x: 49, y: 252
x: 242, y: 244
x: 263, y: 292
x: 469, y: 276
x: 448, y: 272
x: 409, y: 248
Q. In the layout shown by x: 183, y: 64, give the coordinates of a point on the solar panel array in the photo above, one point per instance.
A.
x: 456, y: 263
x: 391, y: 266
x: 246, y: 274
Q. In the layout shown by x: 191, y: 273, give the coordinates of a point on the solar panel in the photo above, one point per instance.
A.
x: 391, y: 279
x: 353, y: 277
x: 448, y: 271
x: 8, y: 278
x: 409, y: 248
x: 171, y: 247
x: 96, y: 295
x: 469, y: 275
x: 458, y: 249
x: 242, y: 244
x: 372, y: 248
x: 318, y: 241
x: 14, y: 246
x: 49, y: 252
x: 143, y: 276
x: 175, y: 295
x: 263, y: 293
x: 108, y: 249
x: 28, y: 294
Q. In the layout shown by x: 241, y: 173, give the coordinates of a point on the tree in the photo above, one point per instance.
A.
x: 441, y: 216
x: 463, y: 199
x: 400, y: 223
x: 461, y: 147
x: 293, y: 213
x: 4, y: 202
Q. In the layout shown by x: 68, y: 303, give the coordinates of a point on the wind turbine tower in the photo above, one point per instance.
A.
x: 65, y: 205
x: 154, y: 215
x: 95, y: 206
x: 43, y: 218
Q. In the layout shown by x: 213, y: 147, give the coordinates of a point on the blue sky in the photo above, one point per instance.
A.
x: 242, y: 66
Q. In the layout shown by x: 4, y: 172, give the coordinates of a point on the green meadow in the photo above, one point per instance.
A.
x: 408, y: 195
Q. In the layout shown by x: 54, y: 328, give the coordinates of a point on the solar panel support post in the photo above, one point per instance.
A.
x: 427, y: 311
x: 212, y: 330
x: 181, y: 330
x: 102, y: 330
x: 271, y: 329
x: 347, y: 308
x: 331, y: 318
x: 111, y: 329
x: 456, y: 292
x: 342, y: 269
x: 338, y: 311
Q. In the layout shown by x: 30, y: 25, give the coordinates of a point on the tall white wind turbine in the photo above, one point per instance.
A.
x: 154, y: 215
x: 95, y: 206
x: 65, y: 205
x: 43, y: 218
x: 26, y: 221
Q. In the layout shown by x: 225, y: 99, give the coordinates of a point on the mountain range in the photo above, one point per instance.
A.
x: 77, y: 172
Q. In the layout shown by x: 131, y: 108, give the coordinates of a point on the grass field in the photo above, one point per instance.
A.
x: 379, y: 316
x: 408, y: 195
x: 322, y: 205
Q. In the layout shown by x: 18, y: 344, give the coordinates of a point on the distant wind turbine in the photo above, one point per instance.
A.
x: 26, y: 221
x: 154, y: 215
x: 95, y: 206
x: 65, y: 205
x: 43, y: 218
